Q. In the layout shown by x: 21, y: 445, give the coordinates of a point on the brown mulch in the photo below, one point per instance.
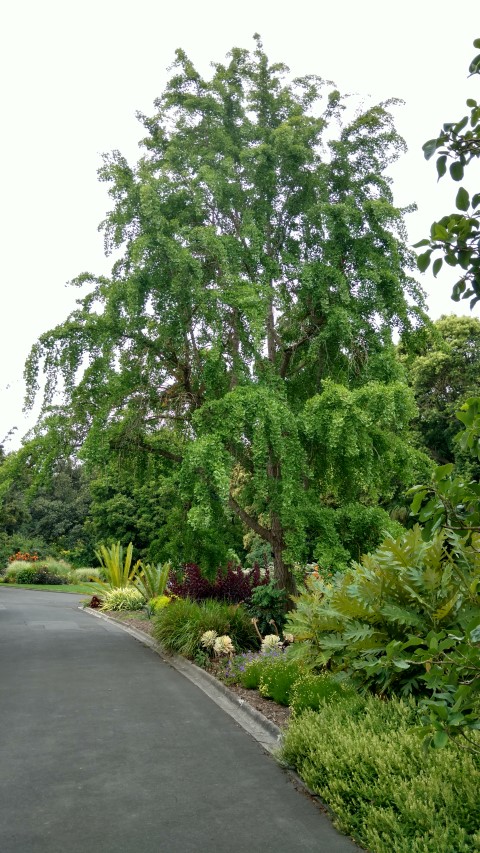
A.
x: 274, y: 712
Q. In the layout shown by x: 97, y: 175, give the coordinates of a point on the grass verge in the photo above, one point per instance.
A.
x: 79, y: 588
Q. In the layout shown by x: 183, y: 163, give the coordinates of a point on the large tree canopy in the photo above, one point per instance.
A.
x: 444, y: 374
x: 245, y: 334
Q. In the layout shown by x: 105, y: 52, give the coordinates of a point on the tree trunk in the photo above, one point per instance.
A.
x: 283, y: 576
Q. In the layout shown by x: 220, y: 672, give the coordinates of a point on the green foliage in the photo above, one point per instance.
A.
x: 152, y: 580
x: 369, y: 620
x: 278, y: 678
x: 444, y: 374
x: 367, y: 763
x: 179, y: 627
x: 312, y: 692
x: 117, y: 570
x: 457, y: 236
x: 123, y: 598
x: 261, y: 265
x: 267, y: 604
x: 27, y: 574
x: 85, y: 575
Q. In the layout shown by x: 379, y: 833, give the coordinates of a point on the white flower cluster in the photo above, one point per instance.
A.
x: 270, y: 642
x: 207, y: 639
x: 223, y: 646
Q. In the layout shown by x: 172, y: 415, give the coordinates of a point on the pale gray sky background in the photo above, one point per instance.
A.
x: 73, y: 76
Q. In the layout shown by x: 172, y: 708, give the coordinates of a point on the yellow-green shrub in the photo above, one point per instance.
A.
x: 367, y: 763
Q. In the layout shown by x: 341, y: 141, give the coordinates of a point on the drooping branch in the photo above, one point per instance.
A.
x: 250, y: 522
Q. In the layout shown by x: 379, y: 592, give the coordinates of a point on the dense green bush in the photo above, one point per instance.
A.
x: 267, y: 604
x: 180, y: 626
x: 278, y: 678
x: 312, y: 692
x: 367, y: 763
x: 372, y: 620
x: 26, y: 574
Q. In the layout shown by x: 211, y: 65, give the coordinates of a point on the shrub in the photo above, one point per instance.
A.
x: 278, y: 678
x: 246, y: 669
x: 180, y: 626
x: 267, y: 604
x: 123, y: 598
x: 43, y: 575
x: 312, y: 691
x: 370, y: 619
x: 232, y: 584
x: 14, y: 568
x: 27, y: 575
x: 368, y: 765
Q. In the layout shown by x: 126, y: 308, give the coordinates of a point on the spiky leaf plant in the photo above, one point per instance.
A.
x: 117, y: 569
x: 152, y: 580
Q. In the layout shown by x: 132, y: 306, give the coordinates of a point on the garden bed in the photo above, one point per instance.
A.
x: 278, y: 714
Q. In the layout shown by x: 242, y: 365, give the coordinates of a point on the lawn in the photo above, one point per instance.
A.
x: 79, y: 588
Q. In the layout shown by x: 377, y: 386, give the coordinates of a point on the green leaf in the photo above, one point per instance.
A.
x: 417, y: 501
x: 462, y: 200
x: 437, y: 266
x: 442, y: 165
x: 439, y: 232
x: 440, y: 739
x: 470, y: 101
x: 475, y: 635
x: 474, y: 66
x: 442, y: 471
x: 429, y: 148
x: 456, y: 170
x: 423, y: 261
x: 476, y: 43
x: 422, y: 243
x: 475, y: 200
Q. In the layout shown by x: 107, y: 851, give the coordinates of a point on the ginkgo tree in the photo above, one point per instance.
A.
x: 263, y: 269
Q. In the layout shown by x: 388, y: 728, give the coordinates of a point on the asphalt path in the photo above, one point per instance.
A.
x: 104, y: 747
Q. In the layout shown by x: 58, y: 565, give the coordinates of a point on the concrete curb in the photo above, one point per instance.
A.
x: 266, y: 733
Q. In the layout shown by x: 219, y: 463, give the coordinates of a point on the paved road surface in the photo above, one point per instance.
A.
x: 104, y: 748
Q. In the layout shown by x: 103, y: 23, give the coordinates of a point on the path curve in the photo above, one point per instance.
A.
x: 104, y: 747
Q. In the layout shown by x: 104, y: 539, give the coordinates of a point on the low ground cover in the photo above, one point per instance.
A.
x: 365, y: 759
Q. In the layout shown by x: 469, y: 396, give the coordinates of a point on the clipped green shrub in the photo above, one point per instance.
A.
x: 179, y: 627
x: 123, y: 598
x: 368, y: 765
x: 277, y: 679
x: 312, y: 691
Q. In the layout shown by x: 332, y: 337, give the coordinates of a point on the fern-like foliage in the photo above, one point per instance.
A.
x: 370, y: 619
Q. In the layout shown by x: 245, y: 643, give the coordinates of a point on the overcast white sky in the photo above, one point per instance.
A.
x: 73, y: 76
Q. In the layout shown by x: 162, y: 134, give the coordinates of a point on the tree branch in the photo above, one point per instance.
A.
x: 250, y: 522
